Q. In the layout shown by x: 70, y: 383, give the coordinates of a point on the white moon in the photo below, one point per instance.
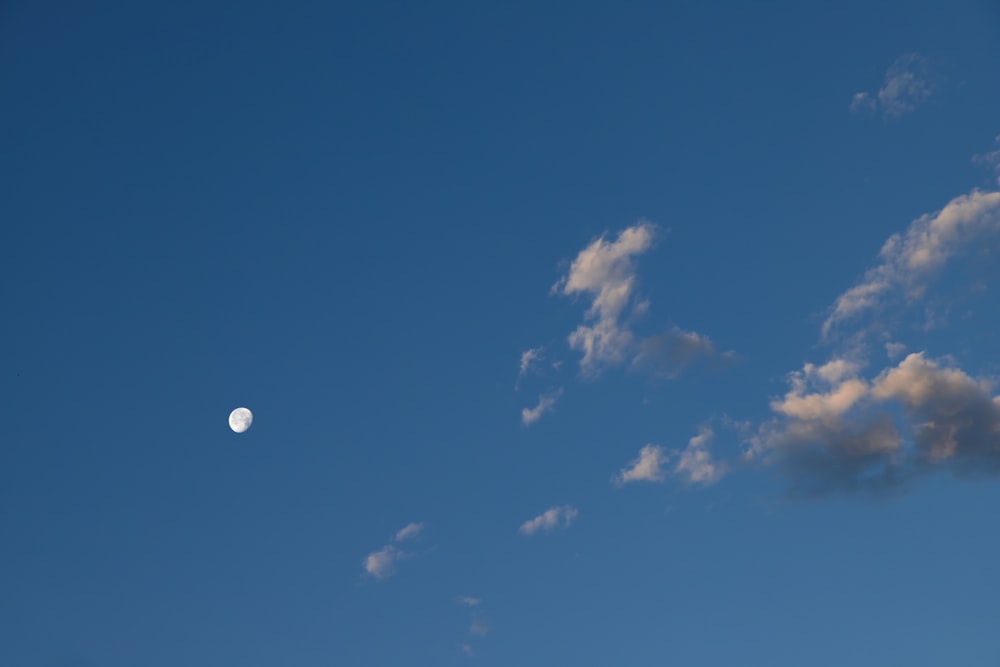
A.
x: 240, y: 419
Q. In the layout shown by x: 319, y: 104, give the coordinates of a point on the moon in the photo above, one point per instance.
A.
x: 240, y: 419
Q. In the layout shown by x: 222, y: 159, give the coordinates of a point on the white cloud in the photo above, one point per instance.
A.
x: 907, y: 84
x: 605, y: 271
x: 550, y: 519
x: 911, y: 259
x: 529, y: 359
x: 695, y: 464
x: 409, y: 531
x: 895, y: 350
x: 648, y: 467
x: 479, y: 628
x: 382, y: 563
x: 546, y: 403
x: 990, y: 159
x: 804, y: 401
x: 469, y: 601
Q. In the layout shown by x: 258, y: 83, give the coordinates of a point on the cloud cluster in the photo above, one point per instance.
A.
x: 838, y: 431
x: 605, y: 272
x: 382, y: 563
x: 907, y: 84
x: 555, y: 517
x: 694, y: 464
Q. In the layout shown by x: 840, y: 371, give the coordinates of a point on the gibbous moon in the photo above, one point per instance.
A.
x: 240, y: 419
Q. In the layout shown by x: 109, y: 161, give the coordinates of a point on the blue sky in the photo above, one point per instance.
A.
x: 590, y: 334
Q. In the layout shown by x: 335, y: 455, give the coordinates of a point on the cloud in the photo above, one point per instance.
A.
x: 479, y: 628
x: 908, y: 261
x: 409, y: 531
x: 955, y: 418
x: 529, y: 359
x: 469, y: 601
x: 989, y: 159
x: 648, y: 467
x: 382, y: 563
x: 841, y: 432
x: 907, y: 84
x: 552, y: 518
x: 546, y: 403
x: 467, y: 650
x: 605, y: 271
x: 695, y: 464
x: 668, y: 353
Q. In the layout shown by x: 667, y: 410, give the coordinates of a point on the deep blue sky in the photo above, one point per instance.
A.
x: 354, y: 219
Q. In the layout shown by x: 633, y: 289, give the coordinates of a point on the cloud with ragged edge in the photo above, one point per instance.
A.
x: 908, y: 83
x: 560, y: 516
x: 546, y: 403
x: 841, y: 429
x: 694, y: 464
x: 382, y: 563
x: 605, y: 273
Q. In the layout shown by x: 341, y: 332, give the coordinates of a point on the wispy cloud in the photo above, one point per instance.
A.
x: 529, y: 360
x: 467, y: 601
x: 409, y: 531
x: 669, y: 353
x: 546, y: 403
x: 382, y: 563
x: 907, y: 84
x: 908, y: 261
x: 554, y: 517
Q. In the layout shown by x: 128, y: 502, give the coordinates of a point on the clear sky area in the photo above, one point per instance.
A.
x: 579, y: 334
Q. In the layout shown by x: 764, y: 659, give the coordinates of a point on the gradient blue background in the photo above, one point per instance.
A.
x: 347, y: 217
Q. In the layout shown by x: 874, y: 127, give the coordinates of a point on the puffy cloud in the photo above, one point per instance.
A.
x: 648, y: 467
x: 695, y: 463
x: 550, y: 519
x: 382, y: 563
x: 605, y: 271
x: 546, y: 402
x: 409, y: 531
x: 907, y: 84
x: 838, y: 433
x: 955, y: 417
x: 908, y: 261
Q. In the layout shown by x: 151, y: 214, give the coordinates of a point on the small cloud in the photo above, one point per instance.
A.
x: 894, y: 350
x: 990, y: 159
x: 529, y: 360
x: 695, y: 464
x: 552, y: 518
x: 409, y: 531
x: 648, y: 467
x: 469, y: 601
x: 382, y: 563
x: 670, y: 352
x: 467, y: 650
x: 546, y: 403
x: 479, y: 629
x: 907, y: 85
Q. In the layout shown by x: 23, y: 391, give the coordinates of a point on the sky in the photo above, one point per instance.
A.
x: 582, y: 334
